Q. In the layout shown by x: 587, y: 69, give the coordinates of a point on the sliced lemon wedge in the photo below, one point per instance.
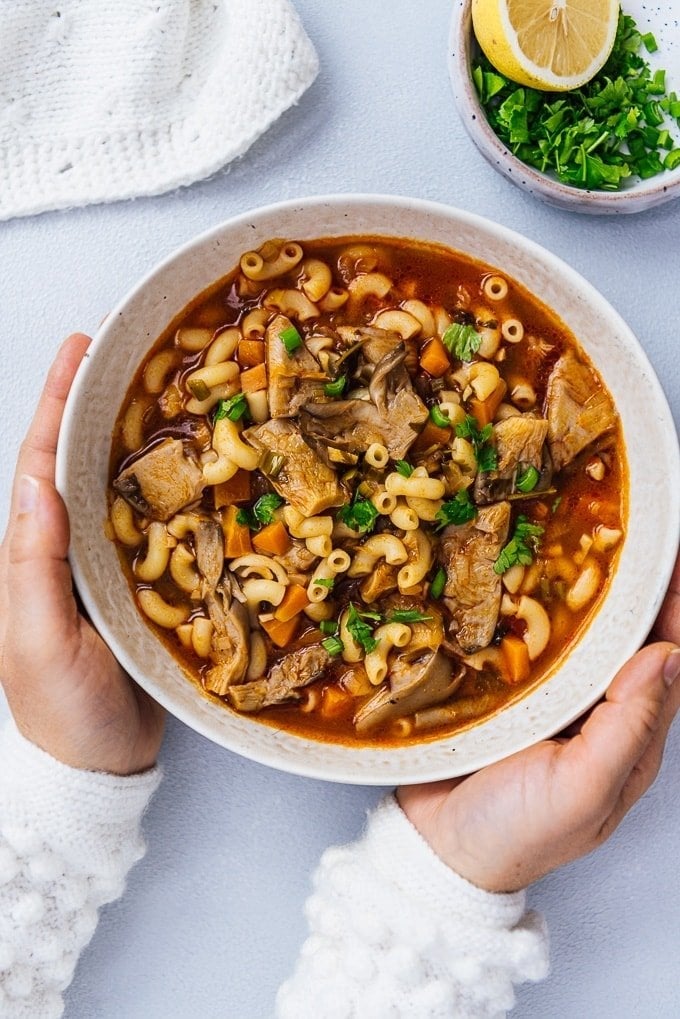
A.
x: 552, y: 45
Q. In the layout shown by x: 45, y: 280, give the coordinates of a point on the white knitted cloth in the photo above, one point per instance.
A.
x: 394, y: 933
x: 102, y: 101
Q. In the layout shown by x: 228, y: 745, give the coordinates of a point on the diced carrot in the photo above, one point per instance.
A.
x: 433, y: 358
x: 250, y: 353
x: 254, y: 379
x: 484, y: 411
x: 432, y: 435
x: 236, y: 489
x: 273, y: 539
x: 516, y: 656
x: 280, y: 633
x: 335, y: 702
x: 236, y: 536
x: 294, y: 601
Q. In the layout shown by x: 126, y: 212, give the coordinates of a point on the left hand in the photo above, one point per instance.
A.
x: 66, y: 691
x: 513, y: 822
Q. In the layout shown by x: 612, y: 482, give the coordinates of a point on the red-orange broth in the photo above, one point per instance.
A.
x: 484, y: 391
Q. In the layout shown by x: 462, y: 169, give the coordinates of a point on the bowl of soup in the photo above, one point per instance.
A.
x: 369, y: 489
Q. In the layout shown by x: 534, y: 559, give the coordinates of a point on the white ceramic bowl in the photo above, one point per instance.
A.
x: 637, y: 195
x: 631, y: 604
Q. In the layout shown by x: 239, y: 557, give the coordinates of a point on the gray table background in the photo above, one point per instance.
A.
x: 212, y: 921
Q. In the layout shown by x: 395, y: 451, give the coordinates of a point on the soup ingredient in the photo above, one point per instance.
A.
x: 578, y: 413
x: 458, y: 510
x: 519, y: 444
x: 261, y: 513
x: 413, y: 685
x: 521, y: 548
x: 485, y: 453
x: 284, y: 681
x: 553, y: 45
x: 594, y: 137
x: 163, y: 481
x: 359, y: 515
x: 463, y: 341
x: 235, y: 408
x: 231, y: 639
x: 473, y: 589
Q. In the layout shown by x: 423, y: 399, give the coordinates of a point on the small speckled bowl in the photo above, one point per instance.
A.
x: 637, y: 195
x: 646, y: 558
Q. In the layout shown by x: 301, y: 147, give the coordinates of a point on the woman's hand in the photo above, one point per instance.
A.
x: 65, y: 689
x: 515, y: 821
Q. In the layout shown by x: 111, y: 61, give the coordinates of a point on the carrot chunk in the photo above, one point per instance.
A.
x: 236, y: 489
x: 250, y: 353
x: 484, y: 411
x: 336, y: 702
x: 280, y: 633
x: 236, y: 536
x: 294, y: 601
x: 432, y: 435
x: 433, y: 358
x: 254, y: 379
x: 516, y: 657
x: 273, y: 539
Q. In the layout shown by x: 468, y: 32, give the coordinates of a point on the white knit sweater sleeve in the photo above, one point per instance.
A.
x: 67, y: 840
x: 395, y: 933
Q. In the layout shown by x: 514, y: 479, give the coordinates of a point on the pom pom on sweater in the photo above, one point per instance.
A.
x: 67, y: 840
x: 395, y: 933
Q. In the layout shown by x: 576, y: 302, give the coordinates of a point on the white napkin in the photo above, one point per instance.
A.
x: 102, y: 101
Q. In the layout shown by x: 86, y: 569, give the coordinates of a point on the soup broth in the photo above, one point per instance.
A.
x: 367, y: 490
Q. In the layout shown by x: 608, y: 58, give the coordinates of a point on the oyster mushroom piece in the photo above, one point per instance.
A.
x: 162, y: 481
x: 428, y: 679
x: 230, y: 640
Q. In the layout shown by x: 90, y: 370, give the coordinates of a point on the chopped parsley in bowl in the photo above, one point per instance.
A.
x: 611, y: 146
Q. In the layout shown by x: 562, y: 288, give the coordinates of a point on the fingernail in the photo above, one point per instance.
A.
x: 671, y: 669
x: 29, y: 489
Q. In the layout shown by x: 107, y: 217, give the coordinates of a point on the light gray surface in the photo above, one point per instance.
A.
x: 212, y: 918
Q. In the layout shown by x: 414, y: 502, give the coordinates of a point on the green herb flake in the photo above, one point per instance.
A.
x: 291, y: 339
x: 439, y: 418
x: 361, y: 631
x: 408, y: 616
x: 458, y: 510
x: 404, y: 468
x: 438, y: 583
x: 235, y: 408
x: 463, y: 341
x: 333, y: 646
x: 359, y: 515
x: 485, y: 451
x: 337, y: 387
x: 265, y: 506
x: 595, y: 137
x: 328, y: 626
x: 527, y: 480
x: 521, y: 548
x: 325, y: 582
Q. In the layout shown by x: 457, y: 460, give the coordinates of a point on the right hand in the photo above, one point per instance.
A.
x: 515, y: 821
x: 66, y: 691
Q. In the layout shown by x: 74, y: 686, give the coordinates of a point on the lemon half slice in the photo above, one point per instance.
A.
x: 552, y: 45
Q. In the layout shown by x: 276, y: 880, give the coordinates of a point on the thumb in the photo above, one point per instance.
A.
x: 40, y: 602
x: 621, y: 744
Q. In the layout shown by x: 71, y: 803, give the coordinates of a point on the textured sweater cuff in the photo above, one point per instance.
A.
x: 77, y: 813
x: 401, y: 854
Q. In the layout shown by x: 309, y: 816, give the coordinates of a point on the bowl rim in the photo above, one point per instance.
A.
x: 646, y: 194
x: 344, y: 768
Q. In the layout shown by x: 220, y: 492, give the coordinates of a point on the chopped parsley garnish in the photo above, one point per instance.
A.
x: 463, y: 341
x: 261, y: 513
x: 234, y: 408
x: 360, y: 629
x: 438, y: 583
x: 408, y: 616
x: 527, y: 480
x: 595, y: 137
x: 439, y: 418
x: 337, y: 387
x: 459, y: 510
x: 521, y: 548
x: 333, y: 645
x: 359, y: 515
x: 325, y: 582
x: 291, y: 339
x: 485, y: 452
x: 404, y: 468
x: 328, y: 626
